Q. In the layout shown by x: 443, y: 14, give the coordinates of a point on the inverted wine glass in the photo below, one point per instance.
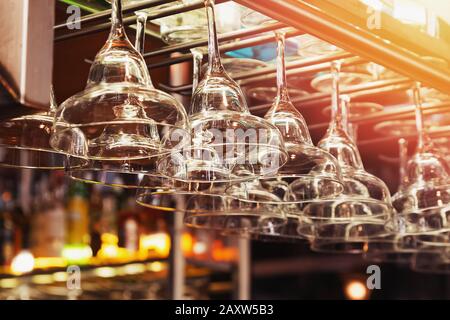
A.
x: 426, y: 185
x: 224, y: 135
x: 356, y: 109
x: 122, y: 119
x: 309, y: 174
x: 421, y: 201
x: 24, y: 142
x: 205, y: 167
x: 397, y: 247
x: 361, y: 212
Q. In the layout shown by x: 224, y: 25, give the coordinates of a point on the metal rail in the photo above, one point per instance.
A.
x: 304, y: 17
x: 131, y: 20
x: 294, y: 68
x: 323, y: 97
x: 106, y: 14
x: 233, y: 35
x: 301, y: 15
x: 435, y: 134
x: 393, y: 113
x: 246, y: 43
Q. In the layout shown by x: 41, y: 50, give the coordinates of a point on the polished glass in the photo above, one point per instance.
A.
x: 309, y: 174
x: 361, y: 212
x: 25, y: 142
x: 427, y: 177
x: 119, y: 121
x: 224, y: 136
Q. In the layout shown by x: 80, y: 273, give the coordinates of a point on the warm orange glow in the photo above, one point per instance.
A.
x: 49, y: 262
x: 158, y: 243
x: 222, y: 253
x: 356, y: 290
x: 110, y: 251
x: 187, y: 244
x: 77, y: 254
x: 22, y: 263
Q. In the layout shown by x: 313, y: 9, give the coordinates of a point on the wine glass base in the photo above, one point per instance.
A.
x: 431, y: 262
x: 231, y: 216
x: 124, y: 174
x: 29, y: 158
x: 286, y: 233
x: 338, y: 247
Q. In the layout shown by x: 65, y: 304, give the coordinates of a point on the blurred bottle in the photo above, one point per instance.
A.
x: 55, y: 217
x: 95, y: 216
x: 77, y: 219
x: 7, y: 232
x: 129, y: 226
x: 110, y: 207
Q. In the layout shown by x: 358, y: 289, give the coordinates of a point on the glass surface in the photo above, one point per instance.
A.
x: 427, y: 175
x: 192, y: 25
x: 360, y: 213
x: 227, y: 144
x: 24, y: 143
x: 310, y: 173
x: 357, y: 109
x: 119, y: 121
x: 422, y: 204
x: 224, y: 136
x: 260, y: 95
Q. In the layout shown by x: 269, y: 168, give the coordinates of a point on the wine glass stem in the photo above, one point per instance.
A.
x: 140, y: 31
x: 353, y: 131
x: 215, y: 64
x: 403, y: 157
x: 423, y: 138
x: 343, y: 110
x: 339, y: 105
x: 53, y: 103
x: 336, y: 111
x: 197, y: 60
x: 116, y: 19
x: 283, y: 94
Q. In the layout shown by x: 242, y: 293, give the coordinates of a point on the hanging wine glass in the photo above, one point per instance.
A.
x: 228, y: 146
x: 24, y: 142
x: 224, y: 135
x: 361, y: 212
x: 394, y: 248
x: 356, y: 109
x: 422, y: 204
x: 426, y: 187
x: 166, y: 197
x: 121, y: 117
x: 212, y: 209
x: 309, y: 174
